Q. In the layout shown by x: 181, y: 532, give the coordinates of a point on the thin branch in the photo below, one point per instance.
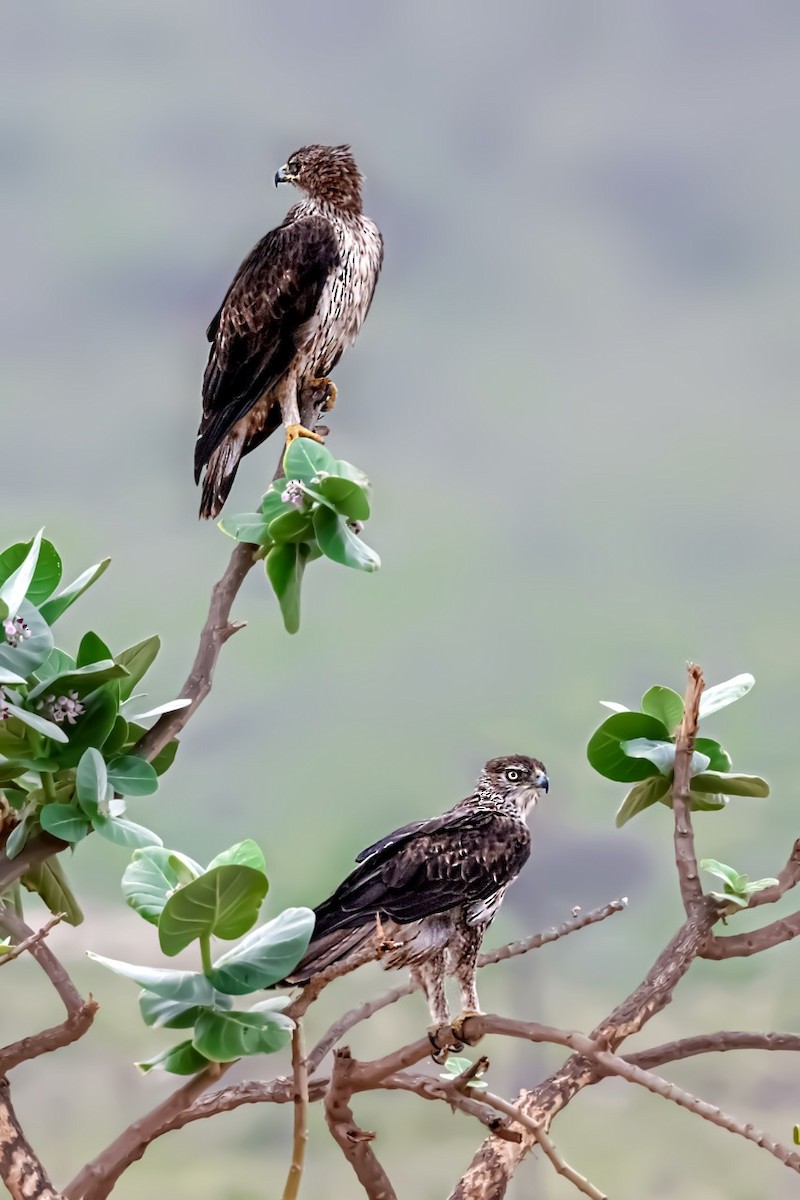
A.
x: 38, y: 936
x: 80, y: 1012
x: 788, y: 878
x: 685, y: 857
x: 561, y: 1167
x: 96, y: 1180
x: 362, y: 1012
x: 712, y: 1043
x: 709, y: 1112
x: 300, y: 1129
x: 364, y: 954
x: 20, y: 1169
x: 742, y: 945
x: 353, y: 1141
x: 428, y: 1087
x: 537, y: 940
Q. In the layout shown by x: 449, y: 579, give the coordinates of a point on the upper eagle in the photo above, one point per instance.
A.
x: 296, y: 303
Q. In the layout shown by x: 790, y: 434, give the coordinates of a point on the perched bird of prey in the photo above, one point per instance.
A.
x: 432, y: 888
x: 296, y: 303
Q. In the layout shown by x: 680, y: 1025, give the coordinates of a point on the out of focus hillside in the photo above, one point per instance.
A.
x: 576, y: 398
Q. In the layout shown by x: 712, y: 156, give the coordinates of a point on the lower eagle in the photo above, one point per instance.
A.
x: 432, y: 888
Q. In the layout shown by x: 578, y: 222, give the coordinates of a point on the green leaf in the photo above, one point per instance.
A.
x: 57, y: 663
x: 165, y: 758
x: 731, y: 785
x: 132, y: 776
x: 17, y: 839
x: 271, y: 502
x: 32, y: 652
x: 605, y: 752
x: 137, y: 661
x: 91, y: 779
x: 185, y: 867
x: 47, y: 879
x: 223, y: 902
x: 718, y: 758
x: 305, y: 459
x: 662, y: 754
x: 92, y: 650
x: 148, y: 880
x: 168, y: 706
x: 723, y: 694
x: 53, y: 609
x: 46, y: 574
x: 350, y: 497
x: 117, y: 738
x: 93, y: 727
x: 337, y: 540
x: 284, y: 566
x: 223, y: 1037
x: 182, y: 1059
x: 730, y: 898
x: 641, y: 797
x: 721, y: 870
x: 14, y: 587
x: 612, y: 704
x: 64, y: 821
x: 758, y: 885
x: 292, y: 526
x: 265, y: 956
x: 190, y: 987
x: 706, y: 801
x: 246, y: 527
x: 246, y: 854
x: 665, y: 705
x: 125, y: 833
x: 796, y: 1135
x: 40, y: 724
x: 172, y: 1014
x: 10, y: 677
x: 83, y: 679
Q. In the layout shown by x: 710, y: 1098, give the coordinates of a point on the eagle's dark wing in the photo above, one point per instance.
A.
x: 275, y: 291
x: 428, y: 867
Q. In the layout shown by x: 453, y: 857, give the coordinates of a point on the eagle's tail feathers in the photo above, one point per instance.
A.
x: 219, y: 476
x: 329, y: 949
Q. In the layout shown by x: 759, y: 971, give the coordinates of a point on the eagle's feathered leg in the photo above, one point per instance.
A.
x: 429, y: 975
x: 462, y: 958
x: 290, y: 411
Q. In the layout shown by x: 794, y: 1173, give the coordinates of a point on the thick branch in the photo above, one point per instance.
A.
x: 685, y: 857
x: 36, y: 936
x: 353, y: 1141
x: 20, y: 1169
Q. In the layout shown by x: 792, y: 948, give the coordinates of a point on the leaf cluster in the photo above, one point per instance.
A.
x: 316, y: 510
x: 188, y: 903
x: 67, y: 737
x: 639, y: 748
x: 737, y: 888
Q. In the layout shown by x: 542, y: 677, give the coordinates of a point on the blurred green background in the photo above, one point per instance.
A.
x: 575, y: 396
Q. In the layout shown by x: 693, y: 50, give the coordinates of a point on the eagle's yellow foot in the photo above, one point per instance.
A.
x: 443, y: 1041
x: 324, y: 382
x: 458, y: 1027
x: 295, y: 431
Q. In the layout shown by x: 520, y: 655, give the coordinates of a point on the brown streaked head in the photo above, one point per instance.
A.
x: 516, y: 777
x: 325, y: 173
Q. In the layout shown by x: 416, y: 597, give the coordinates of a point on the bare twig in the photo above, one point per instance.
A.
x: 310, y: 992
x: 300, y: 1130
x: 788, y: 878
x: 80, y: 1012
x: 742, y: 945
x: 353, y: 1141
x: 429, y: 1087
x: 685, y: 857
x: 362, y: 1012
x: 38, y: 936
x: 712, y: 1043
x: 20, y: 1169
x: 709, y: 1112
x: 561, y: 1167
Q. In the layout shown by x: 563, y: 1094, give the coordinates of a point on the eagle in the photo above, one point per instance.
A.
x: 432, y: 888
x: 296, y: 303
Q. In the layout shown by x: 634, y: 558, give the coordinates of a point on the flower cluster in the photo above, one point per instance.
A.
x: 293, y: 494
x: 61, y: 708
x: 16, y: 630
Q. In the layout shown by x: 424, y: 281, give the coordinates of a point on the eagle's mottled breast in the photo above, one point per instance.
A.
x: 348, y: 292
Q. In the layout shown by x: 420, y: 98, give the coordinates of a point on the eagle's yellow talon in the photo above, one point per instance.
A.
x: 293, y: 432
x: 443, y: 1042
x: 324, y: 382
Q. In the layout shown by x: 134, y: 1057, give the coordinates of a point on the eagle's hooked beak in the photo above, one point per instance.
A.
x: 542, y: 782
x: 283, y: 176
